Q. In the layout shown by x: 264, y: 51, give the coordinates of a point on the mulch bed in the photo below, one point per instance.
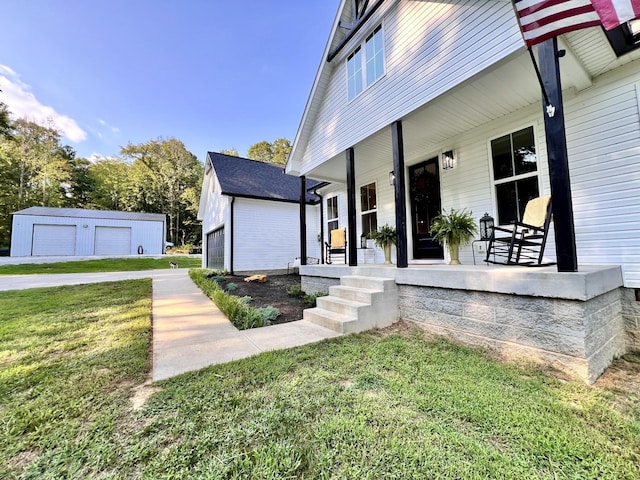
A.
x: 273, y: 293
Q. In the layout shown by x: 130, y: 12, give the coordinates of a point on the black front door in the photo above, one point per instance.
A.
x: 424, y: 189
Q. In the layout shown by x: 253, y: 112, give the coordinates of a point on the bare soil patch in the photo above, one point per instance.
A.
x: 273, y: 293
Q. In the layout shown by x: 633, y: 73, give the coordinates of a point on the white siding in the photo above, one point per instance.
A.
x: 439, y: 45
x: 603, y: 134
x: 267, y: 234
x: 215, y: 212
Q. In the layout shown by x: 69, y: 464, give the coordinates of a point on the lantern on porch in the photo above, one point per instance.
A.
x: 486, y: 226
x: 363, y: 240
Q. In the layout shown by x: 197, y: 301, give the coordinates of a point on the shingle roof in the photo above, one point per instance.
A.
x: 85, y: 213
x: 253, y: 179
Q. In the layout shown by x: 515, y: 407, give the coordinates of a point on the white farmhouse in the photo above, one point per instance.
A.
x: 420, y: 106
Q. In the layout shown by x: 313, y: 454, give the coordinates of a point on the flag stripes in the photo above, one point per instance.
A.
x: 615, y: 12
x: 544, y: 19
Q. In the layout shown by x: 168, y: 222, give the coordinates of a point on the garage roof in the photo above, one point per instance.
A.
x: 253, y: 179
x: 85, y: 213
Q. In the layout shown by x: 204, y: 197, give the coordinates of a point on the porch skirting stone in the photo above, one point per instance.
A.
x: 576, y: 321
x: 580, y: 337
x: 311, y: 285
x: 631, y: 318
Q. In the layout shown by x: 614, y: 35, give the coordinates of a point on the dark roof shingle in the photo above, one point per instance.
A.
x: 253, y: 179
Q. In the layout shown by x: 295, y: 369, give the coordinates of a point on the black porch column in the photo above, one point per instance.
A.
x: 399, y: 189
x: 303, y: 220
x: 352, y: 244
x: 561, y: 202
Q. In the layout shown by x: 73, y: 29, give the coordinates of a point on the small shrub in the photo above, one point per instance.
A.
x: 231, y: 287
x: 269, y: 314
x: 246, y: 299
x: 310, y: 300
x: 295, y: 291
x: 235, y: 308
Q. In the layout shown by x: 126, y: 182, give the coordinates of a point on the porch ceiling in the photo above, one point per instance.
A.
x: 430, y: 129
x: 507, y: 87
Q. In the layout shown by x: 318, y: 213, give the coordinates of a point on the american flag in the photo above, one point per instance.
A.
x: 544, y: 19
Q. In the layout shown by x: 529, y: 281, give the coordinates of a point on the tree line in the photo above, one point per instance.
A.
x: 159, y: 176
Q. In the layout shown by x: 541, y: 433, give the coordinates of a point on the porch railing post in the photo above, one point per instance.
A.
x: 303, y: 220
x: 399, y: 189
x: 351, y: 209
x: 558, y: 159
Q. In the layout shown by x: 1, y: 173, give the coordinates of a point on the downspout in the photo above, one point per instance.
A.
x: 233, y: 199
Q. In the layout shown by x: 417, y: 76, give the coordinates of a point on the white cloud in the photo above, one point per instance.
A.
x: 110, y: 127
x: 24, y: 104
x: 96, y: 157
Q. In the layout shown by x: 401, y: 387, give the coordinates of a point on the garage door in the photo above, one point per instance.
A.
x: 51, y: 240
x: 215, y: 249
x: 113, y: 241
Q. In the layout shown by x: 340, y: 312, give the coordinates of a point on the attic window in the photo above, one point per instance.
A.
x: 625, y: 38
x: 365, y: 65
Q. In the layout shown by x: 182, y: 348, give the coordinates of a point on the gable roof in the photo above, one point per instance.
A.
x: 241, y: 177
x: 87, y: 213
x: 320, y: 84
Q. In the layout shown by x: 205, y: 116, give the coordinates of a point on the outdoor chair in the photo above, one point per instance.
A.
x: 522, y: 243
x: 338, y: 244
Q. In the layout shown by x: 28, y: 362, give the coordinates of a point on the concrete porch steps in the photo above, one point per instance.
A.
x: 359, y: 303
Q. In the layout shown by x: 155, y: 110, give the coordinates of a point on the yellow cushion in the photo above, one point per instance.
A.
x: 338, y: 238
x: 535, y: 213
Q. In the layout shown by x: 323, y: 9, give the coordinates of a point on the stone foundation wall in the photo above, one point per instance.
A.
x: 631, y: 319
x: 578, y: 337
x: 312, y: 285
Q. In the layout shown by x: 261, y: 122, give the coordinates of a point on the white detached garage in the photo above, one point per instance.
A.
x: 45, y: 231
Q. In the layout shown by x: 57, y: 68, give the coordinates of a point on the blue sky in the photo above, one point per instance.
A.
x: 214, y: 74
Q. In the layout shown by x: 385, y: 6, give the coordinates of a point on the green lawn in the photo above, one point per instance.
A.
x: 366, y: 406
x: 102, y: 265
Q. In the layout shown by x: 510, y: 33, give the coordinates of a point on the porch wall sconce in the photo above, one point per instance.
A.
x: 486, y: 227
x: 392, y: 179
x: 448, y: 160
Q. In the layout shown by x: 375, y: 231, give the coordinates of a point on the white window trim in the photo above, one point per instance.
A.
x: 373, y: 210
x: 332, y: 219
x: 537, y: 174
x: 363, y: 67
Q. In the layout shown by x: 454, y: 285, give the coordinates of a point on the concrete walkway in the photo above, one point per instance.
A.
x: 189, y: 332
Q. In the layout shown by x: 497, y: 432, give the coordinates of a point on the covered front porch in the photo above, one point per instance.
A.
x: 573, y: 321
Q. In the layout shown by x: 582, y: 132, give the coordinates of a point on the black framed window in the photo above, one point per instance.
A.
x: 366, y: 64
x: 515, y: 173
x: 332, y: 214
x: 369, y: 208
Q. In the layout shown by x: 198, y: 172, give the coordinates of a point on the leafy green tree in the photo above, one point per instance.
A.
x: 281, y: 149
x: 36, y: 170
x: 276, y: 152
x: 261, y: 151
x: 5, y: 121
x: 162, y: 170
x: 111, y: 184
x: 232, y: 152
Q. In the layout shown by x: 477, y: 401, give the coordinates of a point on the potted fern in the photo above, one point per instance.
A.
x: 384, y: 237
x: 453, y: 229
